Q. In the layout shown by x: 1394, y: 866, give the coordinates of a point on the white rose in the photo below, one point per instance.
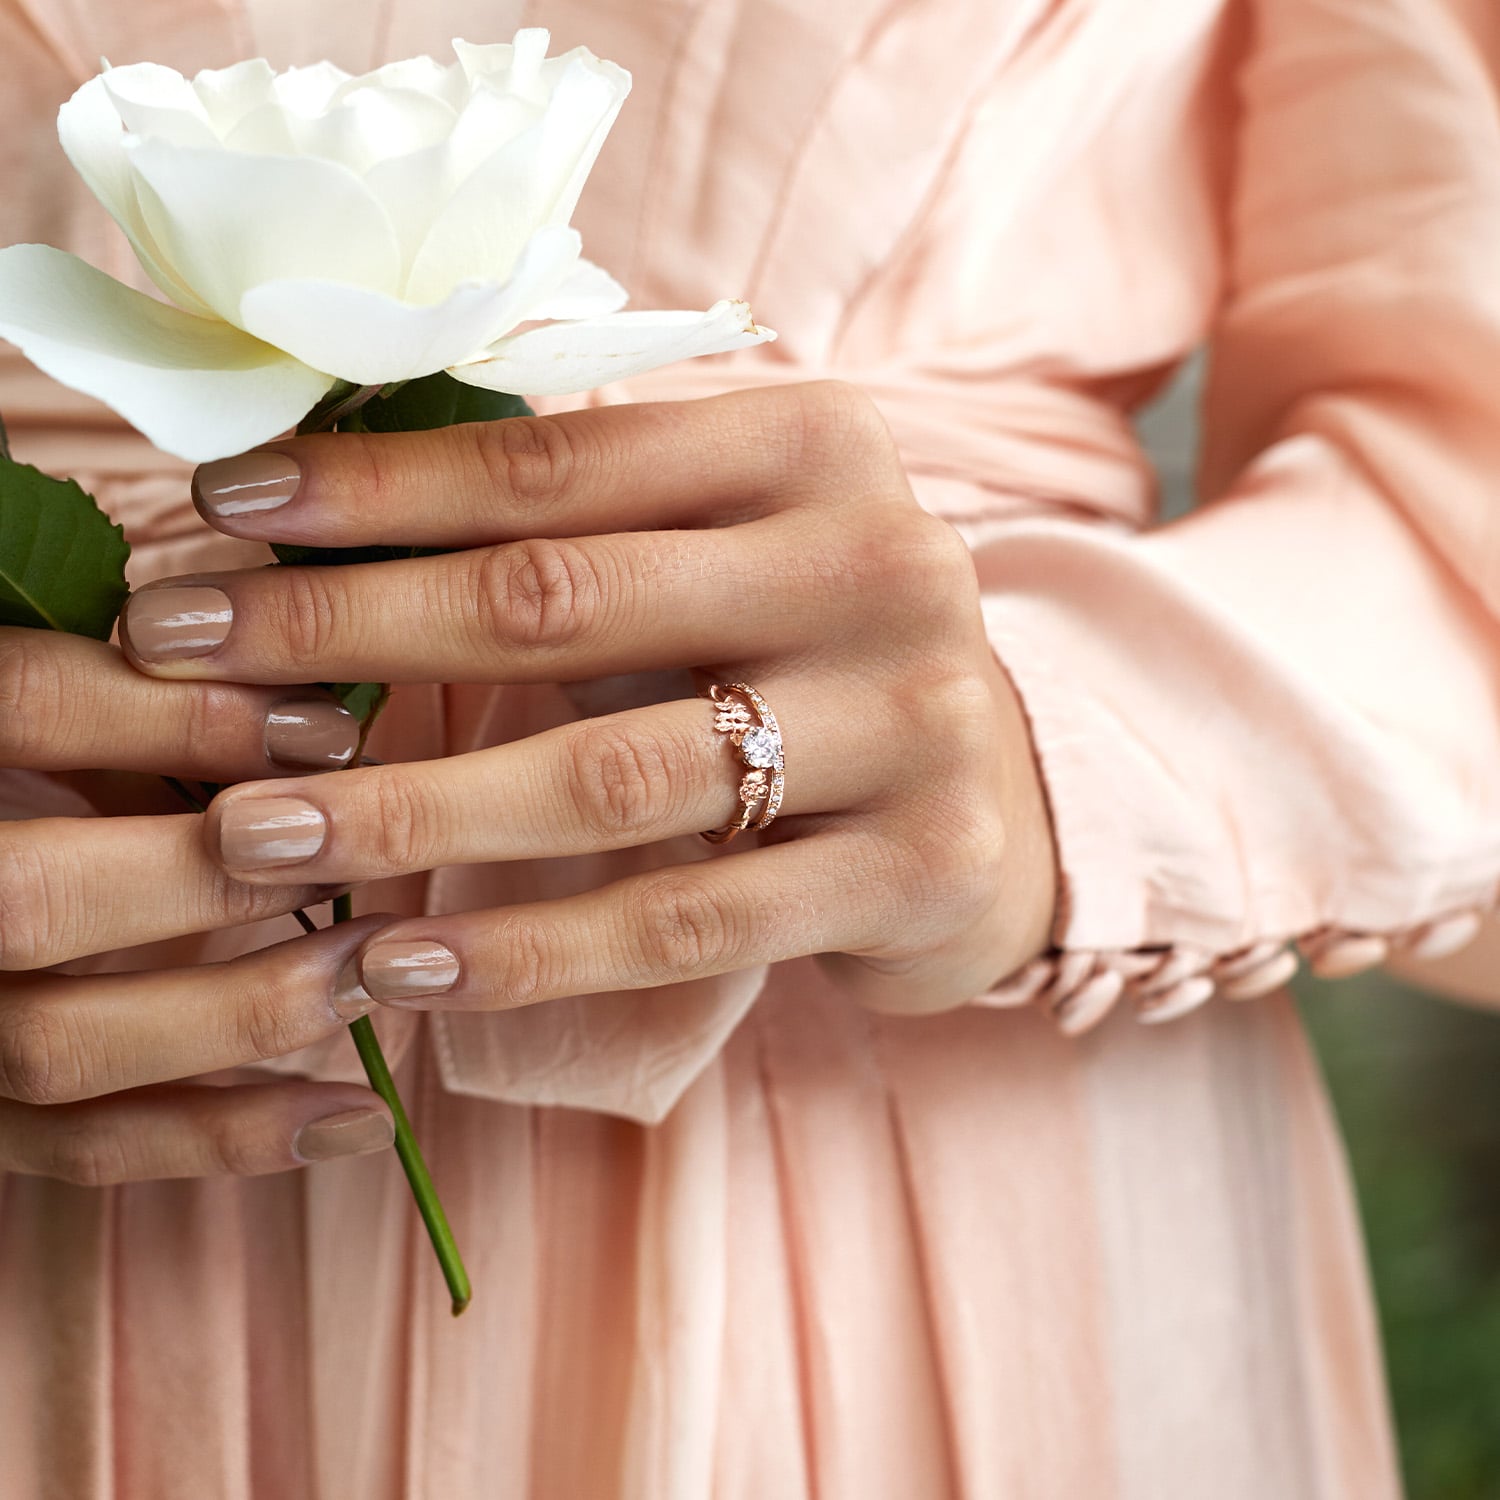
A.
x: 312, y: 227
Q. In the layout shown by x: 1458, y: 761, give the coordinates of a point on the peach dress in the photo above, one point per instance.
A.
x: 741, y: 1239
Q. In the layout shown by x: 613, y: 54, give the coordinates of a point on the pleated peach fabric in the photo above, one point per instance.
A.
x: 742, y: 1240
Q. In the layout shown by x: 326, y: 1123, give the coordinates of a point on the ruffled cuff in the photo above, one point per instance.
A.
x: 1218, y: 812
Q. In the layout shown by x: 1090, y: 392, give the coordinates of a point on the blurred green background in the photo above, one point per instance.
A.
x: 1416, y: 1082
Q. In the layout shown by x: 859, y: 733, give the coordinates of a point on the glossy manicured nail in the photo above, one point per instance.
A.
x: 395, y: 971
x: 310, y: 734
x: 245, y: 485
x: 351, y: 1132
x: 184, y: 620
x: 349, y: 997
x: 258, y: 833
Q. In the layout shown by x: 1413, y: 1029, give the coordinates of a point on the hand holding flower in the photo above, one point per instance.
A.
x: 324, y: 240
x: 91, y: 1063
x: 769, y: 537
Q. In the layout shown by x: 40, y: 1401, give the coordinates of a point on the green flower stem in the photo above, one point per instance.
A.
x: 428, y: 1204
x: 375, y: 711
x: 367, y: 1044
x: 341, y: 402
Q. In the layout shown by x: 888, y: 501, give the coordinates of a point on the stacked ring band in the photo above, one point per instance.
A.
x: 746, y: 717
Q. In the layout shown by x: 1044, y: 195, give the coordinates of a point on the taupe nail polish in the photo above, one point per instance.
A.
x: 349, y: 998
x: 310, y: 734
x: 183, y: 620
x: 245, y: 485
x: 351, y: 1132
x: 394, y: 970
x: 259, y: 833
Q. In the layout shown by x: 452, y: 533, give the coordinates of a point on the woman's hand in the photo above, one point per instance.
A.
x: 88, y: 1062
x: 769, y: 538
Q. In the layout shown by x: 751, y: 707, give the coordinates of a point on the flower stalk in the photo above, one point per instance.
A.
x: 429, y: 1205
x: 377, y: 1070
x: 340, y: 409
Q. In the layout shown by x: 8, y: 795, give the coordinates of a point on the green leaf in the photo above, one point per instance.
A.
x: 358, y: 697
x: 338, y: 393
x: 437, y: 401
x: 62, y: 560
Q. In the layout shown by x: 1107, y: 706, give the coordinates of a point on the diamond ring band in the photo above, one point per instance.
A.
x: 746, y: 718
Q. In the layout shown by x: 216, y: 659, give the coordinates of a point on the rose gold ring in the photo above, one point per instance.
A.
x: 746, y: 717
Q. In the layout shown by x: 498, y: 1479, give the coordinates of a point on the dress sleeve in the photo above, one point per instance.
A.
x: 1277, y: 720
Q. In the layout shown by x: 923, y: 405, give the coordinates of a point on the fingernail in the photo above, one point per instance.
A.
x: 394, y: 971
x: 351, y: 1132
x: 256, y: 833
x: 310, y: 734
x: 350, y: 999
x: 186, y: 620
x: 245, y: 484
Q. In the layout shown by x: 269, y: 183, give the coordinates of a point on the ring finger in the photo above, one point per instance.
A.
x: 615, y: 782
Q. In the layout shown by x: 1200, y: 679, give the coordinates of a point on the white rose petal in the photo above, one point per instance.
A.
x: 158, y: 102
x: 309, y: 91
x: 229, y: 221
x: 517, y: 65
x: 229, y: 94
x: 89, y: 129
x: 372, y: 125
x: 589, y: 292
x: 265, y: 130
x: 527, y: 183
x: 425, y: 76
x: 561, y: 358
x: 414, y: 188
x: 370, y: 339
x: 195, y: 387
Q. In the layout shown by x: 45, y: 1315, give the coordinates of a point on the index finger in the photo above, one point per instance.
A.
x: 582, y: 473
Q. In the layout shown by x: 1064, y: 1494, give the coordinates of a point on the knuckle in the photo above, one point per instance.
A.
x: 528, y: 460
x: 38, y: 1061
x: 208, y: 711
x: 925, y: 565
x: 955, y: 869
x: 532, y: 969
x: 87, y: 1157
x: 621, y: 780
x: 536, y: 593
x: 833, y: 420
x: 368, y: 467
x: 23, y: 695
x: 302, y: 612
x: 912, y: 567
x: 264, y: 1024
x: 936, y: 545
x: 403, y: 823
x: 231, y: 1150
x: 682, y: 927
x: 224, y: 901
x: 954, y: 713
x: 29, y: 906
x: 39, y: 695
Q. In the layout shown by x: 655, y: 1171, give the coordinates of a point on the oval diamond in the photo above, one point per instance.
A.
x: 760, y: 747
